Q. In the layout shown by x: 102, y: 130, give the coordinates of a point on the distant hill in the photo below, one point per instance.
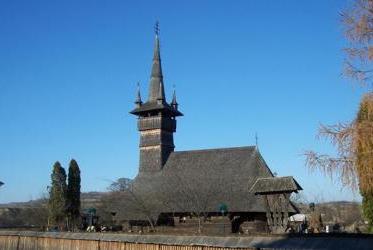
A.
x: 87, y: 199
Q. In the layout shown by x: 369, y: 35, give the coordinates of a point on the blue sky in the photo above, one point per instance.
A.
x: 68, y: 74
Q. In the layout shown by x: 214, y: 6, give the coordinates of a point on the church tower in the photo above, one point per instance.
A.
x: 156, y: 119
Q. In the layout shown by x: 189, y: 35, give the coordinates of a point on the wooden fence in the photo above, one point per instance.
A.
x: 95, y: 241
x: 11, y: 240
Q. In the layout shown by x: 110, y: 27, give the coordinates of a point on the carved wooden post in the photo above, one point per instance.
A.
x: 285, y: 208
x: 268, y: 211
x: 276, y: 199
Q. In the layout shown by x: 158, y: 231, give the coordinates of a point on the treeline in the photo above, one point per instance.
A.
x: 24, y: 217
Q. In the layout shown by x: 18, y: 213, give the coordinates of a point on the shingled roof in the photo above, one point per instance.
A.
x: 275, y: 185
x: 221, y: 176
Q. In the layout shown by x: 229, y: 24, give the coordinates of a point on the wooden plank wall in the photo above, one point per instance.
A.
x: 48, y: 243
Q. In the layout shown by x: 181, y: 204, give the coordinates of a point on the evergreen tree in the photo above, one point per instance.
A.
x: 57, y: 195
x: 73, y: 192
x: 364, y: 155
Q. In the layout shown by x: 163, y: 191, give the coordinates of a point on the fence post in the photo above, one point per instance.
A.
x: 18, y: 239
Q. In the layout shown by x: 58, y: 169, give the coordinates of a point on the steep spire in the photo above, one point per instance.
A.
x: 156, y: 103
x: 156, y: 89
x: 138, y: 100
x: 174, y: 103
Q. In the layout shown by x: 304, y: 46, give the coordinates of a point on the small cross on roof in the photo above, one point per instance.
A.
x: 156, y: 28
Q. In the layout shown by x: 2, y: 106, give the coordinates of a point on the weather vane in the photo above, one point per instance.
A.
x: 156, y: 28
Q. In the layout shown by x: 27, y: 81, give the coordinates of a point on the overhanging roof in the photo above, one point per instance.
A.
x: 269, y: 185
x: 155, y: 106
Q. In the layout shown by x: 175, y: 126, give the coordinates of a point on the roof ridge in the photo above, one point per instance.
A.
x: 214, y: 149
x: 289, y: 176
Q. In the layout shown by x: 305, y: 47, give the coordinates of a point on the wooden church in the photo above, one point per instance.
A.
x: 233, y: 182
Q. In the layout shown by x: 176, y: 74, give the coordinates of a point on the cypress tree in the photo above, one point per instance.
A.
x: 57, y: 195
x: 73, y: 192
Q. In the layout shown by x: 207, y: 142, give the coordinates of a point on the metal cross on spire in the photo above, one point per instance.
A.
x: 256, y: 140
x: 156, y: 28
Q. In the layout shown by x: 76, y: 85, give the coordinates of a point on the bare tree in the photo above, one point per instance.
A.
x: 358, y: 25
x: 194, y: 196
x: 342, y: 165
x: 122, y: 184
x: 354, y: 160
x: 348, y: 137
x: 354, y: 140
x: 130, y: 202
